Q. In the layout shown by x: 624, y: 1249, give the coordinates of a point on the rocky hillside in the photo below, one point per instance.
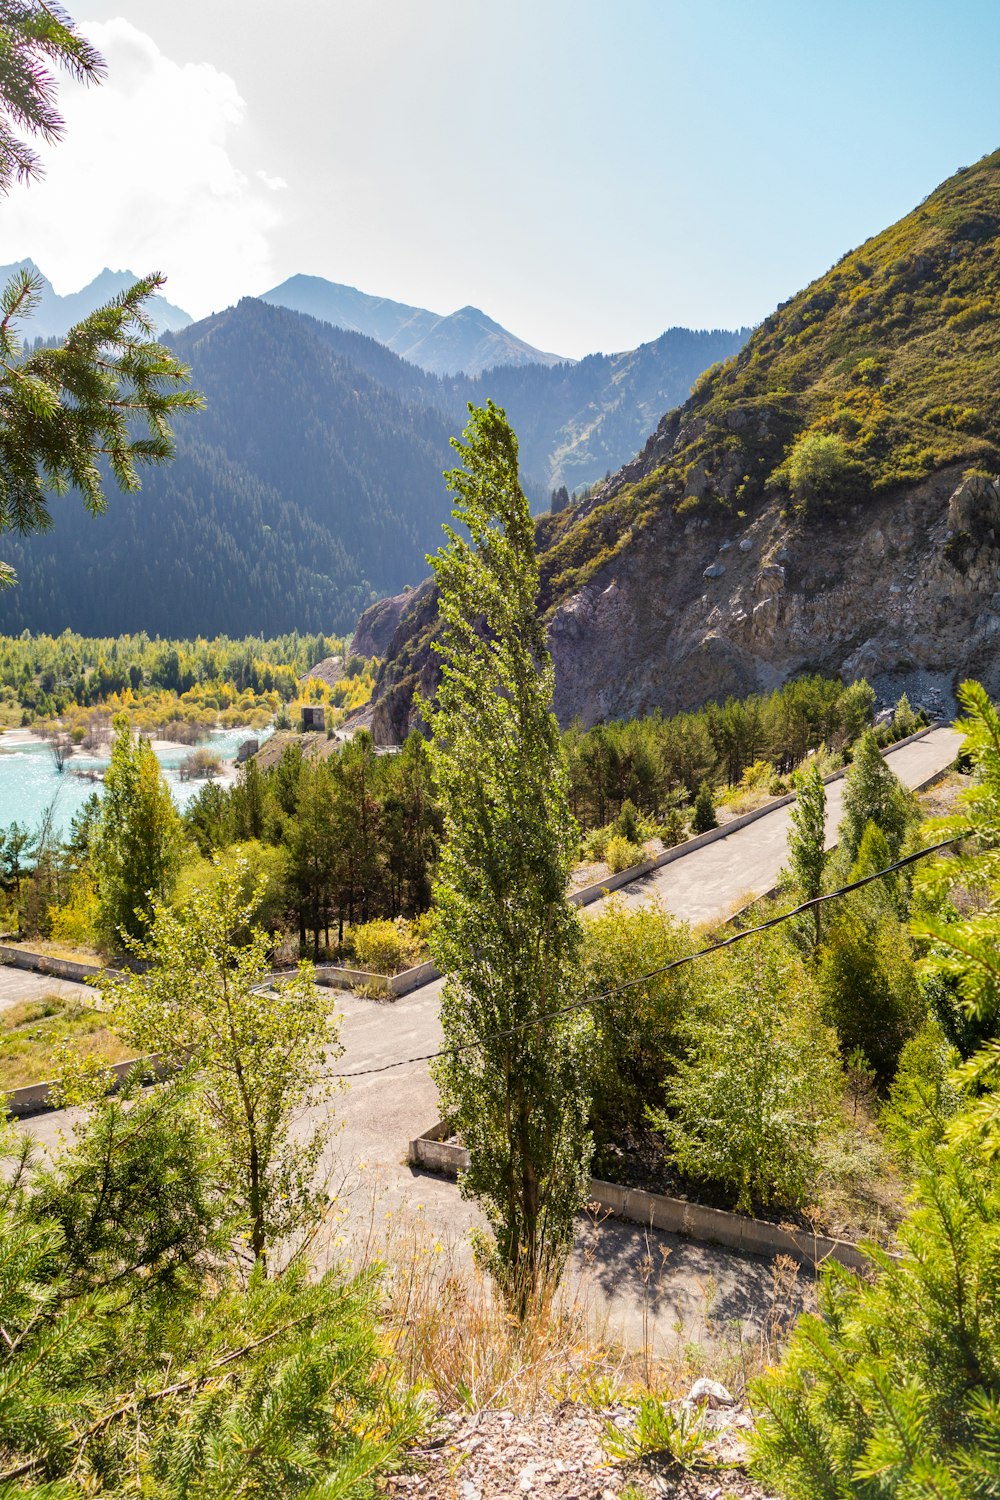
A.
x: 806, y: 508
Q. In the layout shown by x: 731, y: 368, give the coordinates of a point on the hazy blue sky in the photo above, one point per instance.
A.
x: 588, y: 173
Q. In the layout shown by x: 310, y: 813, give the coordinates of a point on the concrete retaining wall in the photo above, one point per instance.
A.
x: 714, y: 1226
x: 601, y: 888
x: 35, y: 1098
x: 44, y: 963
x: 391, y: 985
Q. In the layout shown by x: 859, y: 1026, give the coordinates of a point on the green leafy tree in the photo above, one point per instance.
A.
x: 873, y: 793
x: 206, y: 1003
x: 807, y: 840
x: 64, y: 408
x: 854, y: 710
x: 515, y: 1085
x: 746, y: 1104
x: 136, y: 851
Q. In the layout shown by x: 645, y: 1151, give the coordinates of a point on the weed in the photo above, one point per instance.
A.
x: 661, y: 1430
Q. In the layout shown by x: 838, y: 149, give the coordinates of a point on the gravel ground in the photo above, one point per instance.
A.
x: 558, y: 1455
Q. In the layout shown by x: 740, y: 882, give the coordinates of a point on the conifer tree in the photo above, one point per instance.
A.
x: 63, y: 409
x: 704, y: 810
x: 892, y: 1391
x: 515, y: 1086
x: 873, y: 793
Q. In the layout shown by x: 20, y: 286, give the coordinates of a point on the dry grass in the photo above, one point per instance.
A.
x: 450, y: 1335
x: 32, y: 1032
x: 51, y: 949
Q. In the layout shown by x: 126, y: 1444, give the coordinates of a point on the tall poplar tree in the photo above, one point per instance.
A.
x: 807, y: 840
x: 515, y: 1083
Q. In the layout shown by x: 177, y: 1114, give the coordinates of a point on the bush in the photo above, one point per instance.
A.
x: 595, y: 843
x: 384, y: 947
x: 822, y: 472
x: 638, y: 1029
x: 746, y: 1105
x: 621, y: 854
x: 75, y: 922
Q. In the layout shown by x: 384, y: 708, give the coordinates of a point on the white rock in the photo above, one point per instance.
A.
x: 711, y: 1393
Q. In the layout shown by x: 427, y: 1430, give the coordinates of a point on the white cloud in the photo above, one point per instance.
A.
x: 148, y: 178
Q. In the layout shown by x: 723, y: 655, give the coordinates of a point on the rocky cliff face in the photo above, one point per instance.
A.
x: 905, y: 591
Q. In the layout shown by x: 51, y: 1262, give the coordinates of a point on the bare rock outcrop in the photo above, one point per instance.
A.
x: 906, y: 585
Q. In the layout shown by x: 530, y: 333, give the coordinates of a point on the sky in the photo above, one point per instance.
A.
x: 588, y: 172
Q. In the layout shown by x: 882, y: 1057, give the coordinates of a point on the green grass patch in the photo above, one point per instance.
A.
x: 32, y: 1031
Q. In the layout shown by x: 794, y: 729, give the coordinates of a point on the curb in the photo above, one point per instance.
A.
x: 589, y: 893
x: 693, y: 1221
x: 35, y: 1098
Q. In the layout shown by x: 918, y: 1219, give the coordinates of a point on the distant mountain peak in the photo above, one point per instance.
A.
x: 466, y: 341
x: 56, y: 314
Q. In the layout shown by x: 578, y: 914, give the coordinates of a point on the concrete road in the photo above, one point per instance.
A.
x: 21, y: 984
x: 713, y: 881
x: 650, y: 1287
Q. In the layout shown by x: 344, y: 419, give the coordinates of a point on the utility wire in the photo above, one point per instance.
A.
x: 675, y: 963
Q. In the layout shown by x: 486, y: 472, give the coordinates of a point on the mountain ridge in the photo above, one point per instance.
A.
x: 56, y: 313
x: 466, y: 341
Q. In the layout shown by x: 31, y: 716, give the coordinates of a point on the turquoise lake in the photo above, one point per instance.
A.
x: 29, y: 781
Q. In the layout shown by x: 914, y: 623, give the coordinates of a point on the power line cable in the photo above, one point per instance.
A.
x: 675, y: 963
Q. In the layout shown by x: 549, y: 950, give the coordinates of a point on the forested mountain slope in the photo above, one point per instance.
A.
x: 311, y: 484
x: 305, y: 488
x: 805, y: 508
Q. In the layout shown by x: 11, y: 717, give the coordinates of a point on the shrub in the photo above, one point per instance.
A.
x: 638, y: 1029
x: 622, y: 854
x: 822, y: 472
x: 75, y: 922
x: 384, y: 947
x: 595, y: 843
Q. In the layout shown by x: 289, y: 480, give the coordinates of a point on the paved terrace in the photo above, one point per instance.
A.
x: 646, y: 1285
